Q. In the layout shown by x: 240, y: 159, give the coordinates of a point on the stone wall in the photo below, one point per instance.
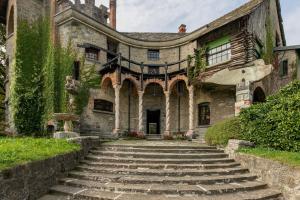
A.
x: 275, y: 174
x: 272, y: 83
x: 97, y: 122
x: 285, y: 178
x: 33, y: 180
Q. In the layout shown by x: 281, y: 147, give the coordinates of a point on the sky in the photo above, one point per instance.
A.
x: 167, y: 15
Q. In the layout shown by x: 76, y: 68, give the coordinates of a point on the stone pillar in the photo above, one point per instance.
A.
x: 190, y: 132
x: 141, y: 127
x: 116, y: 131
x: 167, y: 133
x: 243, y: 96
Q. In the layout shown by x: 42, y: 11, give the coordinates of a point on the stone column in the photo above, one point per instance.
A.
x: 190, y: 132
x: 141, y: 127
x: 116, y: 131
x: 243, y: 96
x: 167, y: 133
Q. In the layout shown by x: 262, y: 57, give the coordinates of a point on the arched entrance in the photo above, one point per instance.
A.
x: 179, y: 107
x: 154, y: 109
x: 129, y: 106
x: 259, y: 95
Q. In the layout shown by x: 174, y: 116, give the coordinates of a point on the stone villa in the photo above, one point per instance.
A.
x: 144, y: 86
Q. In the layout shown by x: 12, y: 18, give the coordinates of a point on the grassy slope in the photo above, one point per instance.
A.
x: 22, y: 150
x: 289, y: 158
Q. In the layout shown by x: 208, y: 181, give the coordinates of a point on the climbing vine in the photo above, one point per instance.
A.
x: 63, y: 59
x: 38, y: 79
x: 268, y: 54
x: 199, y: 63
x: 27, y: 88
x: 89, y: 79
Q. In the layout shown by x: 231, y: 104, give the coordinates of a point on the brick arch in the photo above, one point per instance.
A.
x: 176, y: 79
x: 132, y: 79
x: 106, y: 79
x: 157, y: 81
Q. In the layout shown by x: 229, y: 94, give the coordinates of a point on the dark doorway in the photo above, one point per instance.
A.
x: 153, y: 122
x: 259, y: 96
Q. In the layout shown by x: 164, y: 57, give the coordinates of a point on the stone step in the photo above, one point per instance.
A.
x: 158, y: 150
x: 94, y: 194
x: 178, y: 173
x: 176, y: 189
x: 173, y: 145
x: 55, y: 197
x: 137, y: 179
x: 159, y: 161
x: 158, y: 156
x: 160, y: 166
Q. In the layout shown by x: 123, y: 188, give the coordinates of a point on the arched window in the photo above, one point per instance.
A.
x: 204, y: 114
x: 11, y: 27
x: 259, y: 95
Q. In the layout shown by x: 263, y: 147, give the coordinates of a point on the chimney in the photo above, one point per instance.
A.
x: 182, y: 28
x: 113, y: 14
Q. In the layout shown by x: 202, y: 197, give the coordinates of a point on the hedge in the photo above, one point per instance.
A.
x: 276, y: 123
x: 221, y: 132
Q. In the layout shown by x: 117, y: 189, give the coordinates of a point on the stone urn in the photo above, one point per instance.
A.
x: 68, y: 120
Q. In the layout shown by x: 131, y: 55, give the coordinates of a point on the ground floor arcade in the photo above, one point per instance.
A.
x: 156, y: 107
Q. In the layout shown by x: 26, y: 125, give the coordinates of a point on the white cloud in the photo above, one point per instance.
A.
x: 292, y: 28
x: 167, y: 15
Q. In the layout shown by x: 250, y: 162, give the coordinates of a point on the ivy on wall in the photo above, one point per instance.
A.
x: 199, y: 63
x: 27, y: 98
x: 268, y: 54
x: 63, y: 62
x: 89, y: 79
x: 38, y: 80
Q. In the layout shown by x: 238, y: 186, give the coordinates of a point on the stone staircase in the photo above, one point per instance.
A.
x: 160, y: 172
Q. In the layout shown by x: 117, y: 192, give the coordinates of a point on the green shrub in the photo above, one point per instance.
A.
x: 276, y: 123
x: 221, y: 132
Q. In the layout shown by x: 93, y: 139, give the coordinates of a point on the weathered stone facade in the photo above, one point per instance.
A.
x: 136, y: 84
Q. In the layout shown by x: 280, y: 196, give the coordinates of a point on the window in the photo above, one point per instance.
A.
x: 204, y: 114
x: 153, y: 55
x: 153, y: 70
x: 76, y: 70
x: 284, y: 68
x: 11, y: 26
x: 103, y: 105
x: 92, y: 54
x: 112, y: 47
x: 258, y: 50
x: 219, y: 54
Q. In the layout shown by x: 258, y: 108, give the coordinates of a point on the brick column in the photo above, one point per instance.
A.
x: 190, y: 132
x: 141, y: 127
x: 167, y: 132
x: 116, y: 131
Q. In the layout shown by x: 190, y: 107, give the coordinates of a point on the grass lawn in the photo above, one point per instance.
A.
x: 289, y: 158
x: 15, y: 151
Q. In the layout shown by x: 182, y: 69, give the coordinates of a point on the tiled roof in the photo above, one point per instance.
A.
x: 155, y: 36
